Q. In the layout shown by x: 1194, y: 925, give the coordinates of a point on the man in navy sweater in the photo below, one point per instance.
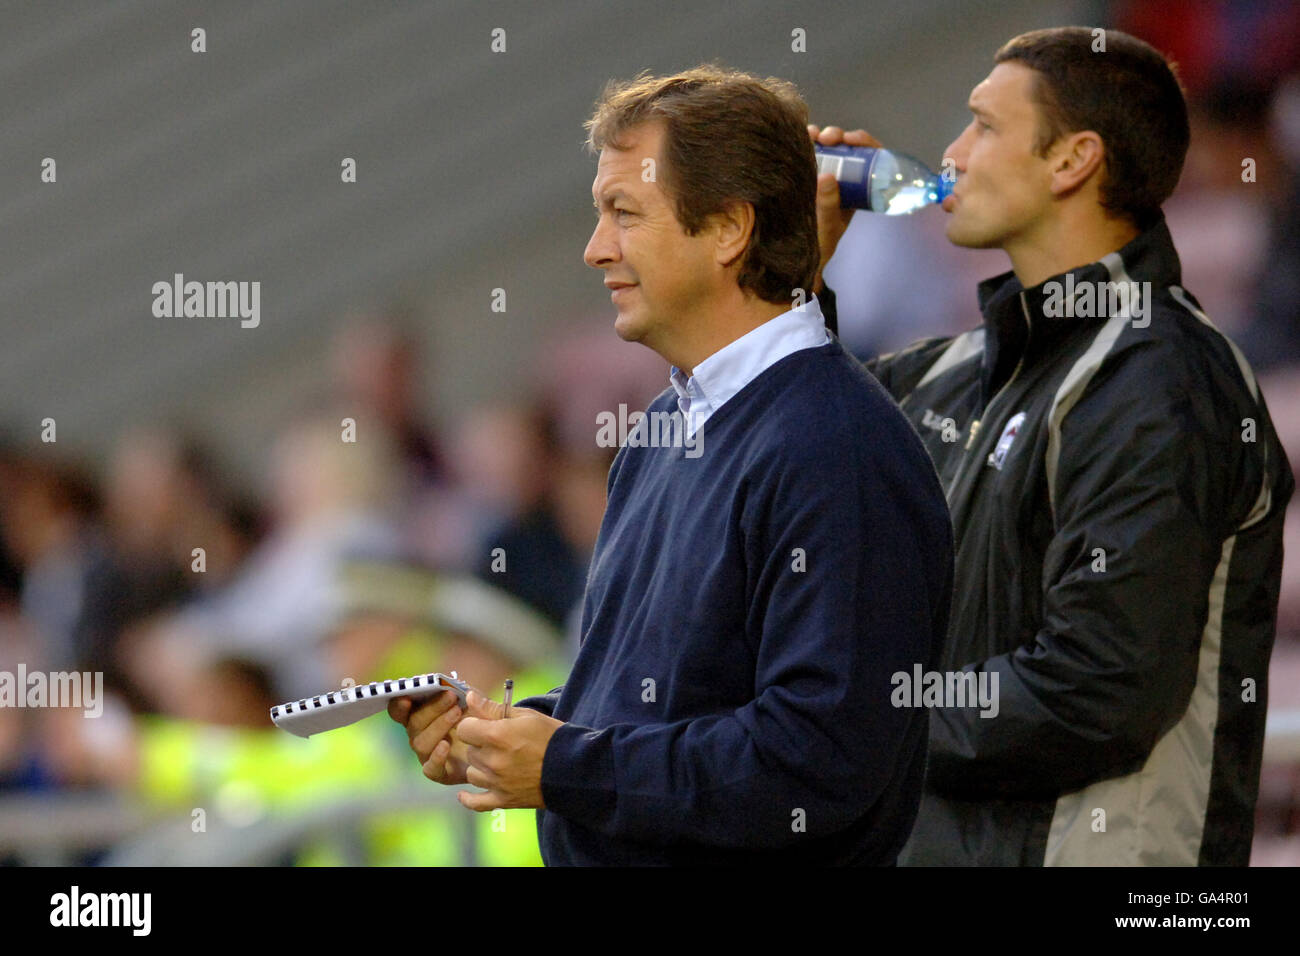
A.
x: 775, y: 550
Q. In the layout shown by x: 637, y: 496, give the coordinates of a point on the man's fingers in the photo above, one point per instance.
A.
x: 399, y: 708
x: 429, y: 710
x: 480, y: 706
x: 477, y: 776
x: 834, y: 136
x: 475, y: 731
x: 831, y: 216
x: 860, y: 137
x: 426, y: 740
x: 480, y: 801
x: 435, y: 768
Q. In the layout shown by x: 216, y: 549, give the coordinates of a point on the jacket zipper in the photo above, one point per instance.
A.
x: 975, y: 425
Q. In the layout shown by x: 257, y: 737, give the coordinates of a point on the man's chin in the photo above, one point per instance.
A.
x: 967, y: 238
x: 628, y: 329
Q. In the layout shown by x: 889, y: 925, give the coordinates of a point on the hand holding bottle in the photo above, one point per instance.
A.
x: 832, y: 219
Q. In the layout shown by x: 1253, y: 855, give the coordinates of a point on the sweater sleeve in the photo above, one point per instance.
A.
x: 545, y: 703
x: 843, y: 551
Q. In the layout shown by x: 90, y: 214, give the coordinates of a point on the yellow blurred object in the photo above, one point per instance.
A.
x: 241, y: 774
x: 419, y: 651
x: 184, y: 761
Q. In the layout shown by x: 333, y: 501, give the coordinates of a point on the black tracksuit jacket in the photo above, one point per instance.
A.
x: 1117, y: 493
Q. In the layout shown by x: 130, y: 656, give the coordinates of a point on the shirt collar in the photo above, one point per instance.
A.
x: 736, y: 364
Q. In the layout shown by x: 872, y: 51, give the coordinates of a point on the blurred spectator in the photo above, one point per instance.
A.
x: 161, y: 502
x: 541, y: 472
x: 1211, y: 40
x: 328, y: 504
x: 529, y: 555
x: 49, y: 511
x: 585, y: 369
x: 376, y: 363
x: 1219, y: 223
x: 21, y: 763
x: 1238, y: 238
x: 1272, y: 337
x: 11, y: 577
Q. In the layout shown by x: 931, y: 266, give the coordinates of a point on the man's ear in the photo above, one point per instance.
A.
x: 732, y: 230
x: 1076, y: 158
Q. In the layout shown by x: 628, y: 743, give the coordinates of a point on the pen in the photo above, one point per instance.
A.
x: 510, y: 689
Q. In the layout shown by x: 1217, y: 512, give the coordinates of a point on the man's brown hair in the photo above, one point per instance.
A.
x: 729, y: 137
x: 1127, y: 93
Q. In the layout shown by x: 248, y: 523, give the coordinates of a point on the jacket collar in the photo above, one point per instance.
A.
x: 1010, y: 335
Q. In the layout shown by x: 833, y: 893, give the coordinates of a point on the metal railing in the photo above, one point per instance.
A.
x: 60, y: 829
x: 274, y: 839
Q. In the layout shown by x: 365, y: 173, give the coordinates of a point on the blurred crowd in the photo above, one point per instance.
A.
x: 204, y: 602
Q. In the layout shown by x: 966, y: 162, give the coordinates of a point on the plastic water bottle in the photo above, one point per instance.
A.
x: 881, y: 180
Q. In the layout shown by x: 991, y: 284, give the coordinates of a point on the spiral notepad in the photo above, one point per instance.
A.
x: 329, y: 711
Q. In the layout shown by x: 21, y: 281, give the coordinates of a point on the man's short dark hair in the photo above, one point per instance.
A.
x: 729, y: 136
x: 1127, y: 93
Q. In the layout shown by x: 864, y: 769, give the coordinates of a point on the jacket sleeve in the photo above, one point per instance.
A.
x: 1148, y: 487
x: 819, y: 742
x: 898, y: 371
x: 543, y: 702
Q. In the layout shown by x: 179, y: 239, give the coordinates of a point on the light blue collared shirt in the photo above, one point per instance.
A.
x: 724, y: 373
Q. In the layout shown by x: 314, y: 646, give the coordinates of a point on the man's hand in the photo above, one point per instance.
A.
x: 505, y: 755
x: 831, y: 219
x: 430, y: 729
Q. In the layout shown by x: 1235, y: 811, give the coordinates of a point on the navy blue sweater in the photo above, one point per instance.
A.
x: 744, y: 612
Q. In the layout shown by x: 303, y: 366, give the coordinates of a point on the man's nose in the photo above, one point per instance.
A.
x: 955, y: 154
x: 601, y: 249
